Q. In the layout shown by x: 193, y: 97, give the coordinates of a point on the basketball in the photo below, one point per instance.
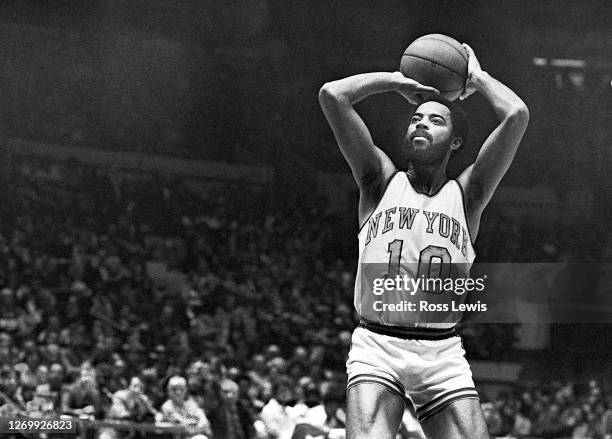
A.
x: 438, y: 61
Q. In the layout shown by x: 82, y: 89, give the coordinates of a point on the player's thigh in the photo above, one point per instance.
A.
x: 373, y: 412
x: 461, y: 419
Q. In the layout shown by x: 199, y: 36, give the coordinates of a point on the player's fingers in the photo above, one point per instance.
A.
x: 470, y: 51
x: 408, y: 96
x: 466, y: 94
x: 424, y: 89
x: 412, y: 99
x: 419, y: 98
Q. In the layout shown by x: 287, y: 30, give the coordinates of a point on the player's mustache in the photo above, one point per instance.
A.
x: 421, y: 133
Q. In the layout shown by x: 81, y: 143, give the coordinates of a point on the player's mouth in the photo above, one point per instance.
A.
x: 419, y: 137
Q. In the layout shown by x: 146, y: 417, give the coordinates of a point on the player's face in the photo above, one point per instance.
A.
x: 429, y: 134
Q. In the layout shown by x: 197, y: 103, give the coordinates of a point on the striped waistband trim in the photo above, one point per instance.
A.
x: 407, y: 332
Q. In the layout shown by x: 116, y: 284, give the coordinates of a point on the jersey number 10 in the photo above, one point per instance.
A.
x: 434, y: 262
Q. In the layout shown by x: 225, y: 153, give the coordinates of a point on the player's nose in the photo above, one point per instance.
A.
x: 422, y: 126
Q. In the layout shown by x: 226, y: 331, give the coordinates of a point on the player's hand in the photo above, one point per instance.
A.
x: 474, y: 69
x: 411, y: 90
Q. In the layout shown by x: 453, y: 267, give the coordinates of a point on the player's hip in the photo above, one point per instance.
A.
x: 429, y: 372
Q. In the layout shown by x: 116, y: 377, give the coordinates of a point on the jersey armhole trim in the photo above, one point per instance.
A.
x: 379, y: 201
x: 467, y: 223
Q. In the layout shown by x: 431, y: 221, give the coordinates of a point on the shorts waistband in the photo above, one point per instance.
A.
x: 408, y: 333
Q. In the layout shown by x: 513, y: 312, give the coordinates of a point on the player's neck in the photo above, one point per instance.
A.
x: 427, y: 179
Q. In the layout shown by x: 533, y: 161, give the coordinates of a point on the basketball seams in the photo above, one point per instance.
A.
x: 425, y: 38
x: 433, y: 62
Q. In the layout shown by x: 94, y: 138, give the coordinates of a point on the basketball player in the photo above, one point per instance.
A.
x: 417, y: 215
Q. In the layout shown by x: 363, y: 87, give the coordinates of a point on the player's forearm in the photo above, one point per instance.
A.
x: 505, y: 102
x: 355, y: 88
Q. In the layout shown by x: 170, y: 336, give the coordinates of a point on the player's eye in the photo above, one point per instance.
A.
x: 437, y: 121
x: 415, y: 119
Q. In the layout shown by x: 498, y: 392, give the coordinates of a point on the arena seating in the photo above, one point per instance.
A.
x: 105, y: 278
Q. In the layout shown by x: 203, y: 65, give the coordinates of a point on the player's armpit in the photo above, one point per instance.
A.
x: 371, y: 192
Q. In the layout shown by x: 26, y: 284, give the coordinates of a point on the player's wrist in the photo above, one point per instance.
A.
x: 478, y: 79
x: 396, y: 79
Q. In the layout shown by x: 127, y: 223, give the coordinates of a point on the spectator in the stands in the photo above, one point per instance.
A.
x: 606, y: 424
x: 278, y: 416
x: 132, y: 404
x: 522, y: 424
x: 181, y: 409
x: 83, y: 397
x: 549, y: 425
x: 229, y: 419
x: 55, y: 384
x: 25, y: 394
x: 331, y: 413
x: 492, y: 418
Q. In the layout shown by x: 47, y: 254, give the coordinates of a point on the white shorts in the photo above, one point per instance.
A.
x: 431, y: 374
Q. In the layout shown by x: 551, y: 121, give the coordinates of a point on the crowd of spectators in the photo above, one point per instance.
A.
x: 113, y: 289
x: 128, y: 297
x: 566, y: 410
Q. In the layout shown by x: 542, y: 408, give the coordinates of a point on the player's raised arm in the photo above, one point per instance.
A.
x: 370, y: 166
x: 496, y: 154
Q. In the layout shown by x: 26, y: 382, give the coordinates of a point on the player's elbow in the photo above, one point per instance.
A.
x: 520, y: 113
x: 518, y: 116
x: 326, y: 94
x: 329, y: 95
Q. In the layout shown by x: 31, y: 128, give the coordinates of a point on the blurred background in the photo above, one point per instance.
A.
x: 174, y: 204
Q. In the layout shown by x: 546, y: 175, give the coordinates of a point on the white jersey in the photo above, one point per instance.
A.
x: 413, y: 235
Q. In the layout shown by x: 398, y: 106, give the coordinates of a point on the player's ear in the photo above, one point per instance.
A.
x: 456, y: 143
